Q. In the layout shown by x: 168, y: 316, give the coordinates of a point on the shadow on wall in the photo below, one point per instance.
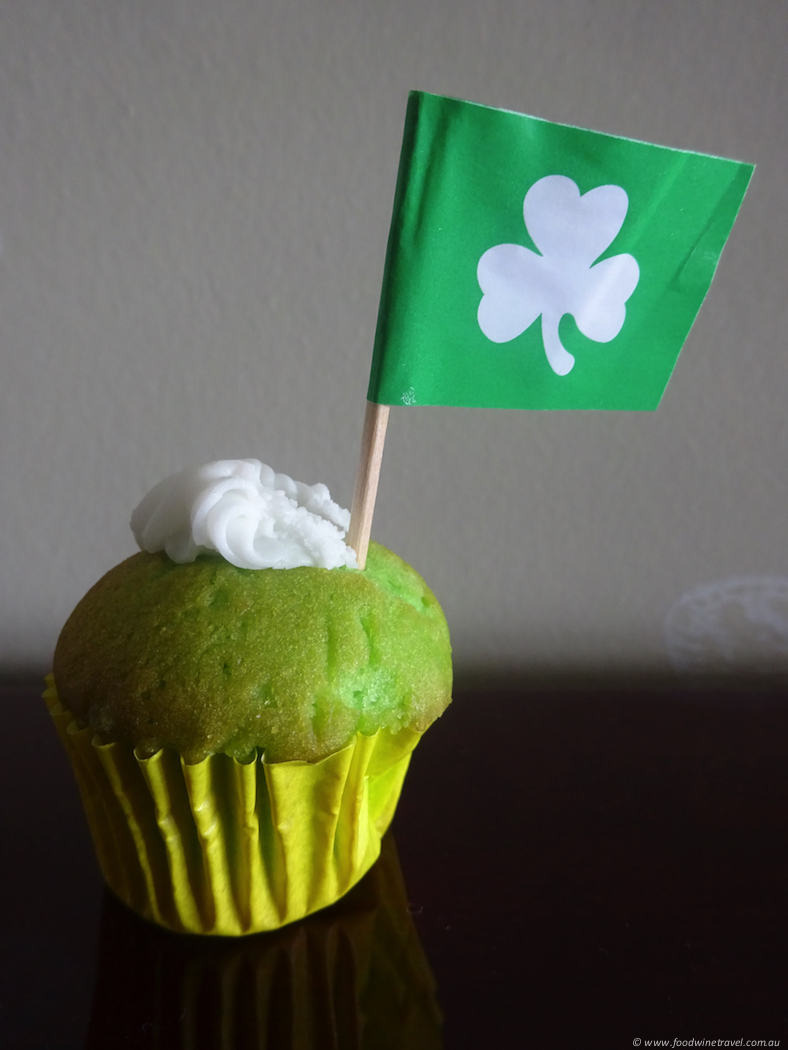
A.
x: 743, y: 688
x: 737, y: 626
x: 727, y: 641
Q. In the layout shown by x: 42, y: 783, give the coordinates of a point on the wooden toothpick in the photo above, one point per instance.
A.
x: 366, y: 488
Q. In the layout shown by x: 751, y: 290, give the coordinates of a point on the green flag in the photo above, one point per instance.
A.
x: 537, y: 265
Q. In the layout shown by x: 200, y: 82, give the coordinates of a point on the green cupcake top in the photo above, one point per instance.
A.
x: 208, y: 658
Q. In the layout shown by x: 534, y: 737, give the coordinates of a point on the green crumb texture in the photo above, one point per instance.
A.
x: 208, y: 658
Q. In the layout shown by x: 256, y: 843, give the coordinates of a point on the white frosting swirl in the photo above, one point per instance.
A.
x: 242, y: 510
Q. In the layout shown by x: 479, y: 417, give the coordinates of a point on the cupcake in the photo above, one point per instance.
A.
x: 240, y: 702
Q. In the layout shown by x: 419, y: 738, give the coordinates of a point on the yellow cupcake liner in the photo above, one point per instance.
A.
x: 226, y: 847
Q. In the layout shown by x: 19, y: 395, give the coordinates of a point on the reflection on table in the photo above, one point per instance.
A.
x: 354, y: 975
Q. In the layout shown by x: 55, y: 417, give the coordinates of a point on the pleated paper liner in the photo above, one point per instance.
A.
x: 352, y: 976
x: 226, y: 847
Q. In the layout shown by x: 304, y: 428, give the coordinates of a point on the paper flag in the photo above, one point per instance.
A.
x: 537, y: 265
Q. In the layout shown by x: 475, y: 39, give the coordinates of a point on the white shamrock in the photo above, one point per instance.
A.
x: 571, y: 232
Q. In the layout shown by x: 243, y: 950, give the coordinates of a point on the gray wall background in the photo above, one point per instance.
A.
x: 194, y: 206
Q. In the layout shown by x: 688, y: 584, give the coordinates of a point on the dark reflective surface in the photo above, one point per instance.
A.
x: 586, y: 863
x: 353, y: 975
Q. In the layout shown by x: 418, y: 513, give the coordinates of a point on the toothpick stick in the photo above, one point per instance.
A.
x: 366, y: 488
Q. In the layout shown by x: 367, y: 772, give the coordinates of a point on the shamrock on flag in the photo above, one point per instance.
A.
x: 502, y: 220
x: 571, y: 232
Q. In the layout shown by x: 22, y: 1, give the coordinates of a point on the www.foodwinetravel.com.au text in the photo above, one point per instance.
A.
x: 674, y: 1043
